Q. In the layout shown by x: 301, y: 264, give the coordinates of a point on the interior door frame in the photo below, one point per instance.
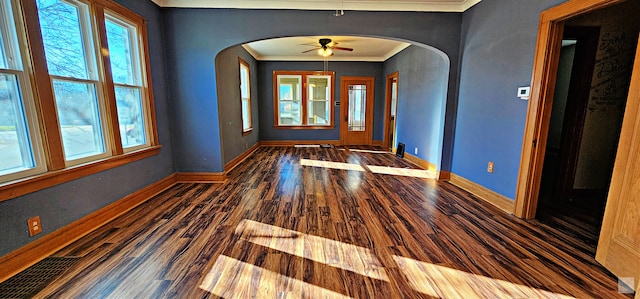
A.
x: 576, y: 106
x: 370, y: 81
x: 545, y: 67
x: 387, y: 115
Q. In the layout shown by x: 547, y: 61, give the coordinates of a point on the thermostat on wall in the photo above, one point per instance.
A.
x: 523, y: 92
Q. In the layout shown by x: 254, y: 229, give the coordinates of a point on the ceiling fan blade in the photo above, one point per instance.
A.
x: 307, y: 51
x: 342, y: 48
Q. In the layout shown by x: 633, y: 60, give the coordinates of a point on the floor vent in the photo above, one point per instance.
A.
x: 29, y: 282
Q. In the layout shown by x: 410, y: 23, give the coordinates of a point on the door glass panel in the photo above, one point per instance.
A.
x: 394, y: 97
x: 357, y: 107
x: 290, y: 100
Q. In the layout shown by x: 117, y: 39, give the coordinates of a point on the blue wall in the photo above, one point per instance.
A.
x: 196, y: 36
x: 498, y: 44
x: 341, y: 68
x: 60, y: 205
x: 423, y: 75
x: 227, y: 65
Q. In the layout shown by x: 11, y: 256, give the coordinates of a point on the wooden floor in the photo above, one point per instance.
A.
x: 277, y: 229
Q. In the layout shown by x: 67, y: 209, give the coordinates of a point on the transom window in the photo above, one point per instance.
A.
x: 303, y: 99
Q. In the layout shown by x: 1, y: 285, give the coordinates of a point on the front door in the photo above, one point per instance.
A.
x: 356, y: 99
x: 619, y: 245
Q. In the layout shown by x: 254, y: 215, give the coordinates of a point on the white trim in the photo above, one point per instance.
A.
x: 366, y: 5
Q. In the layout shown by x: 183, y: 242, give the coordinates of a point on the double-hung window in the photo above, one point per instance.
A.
x: 69, y: 46
x: 303, y: 100
x: 126, y: 72
x: 92, y: 105
x: 245, y: 96
x: 20, y: 150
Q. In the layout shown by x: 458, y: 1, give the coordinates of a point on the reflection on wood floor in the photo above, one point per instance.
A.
x: 278, y: 229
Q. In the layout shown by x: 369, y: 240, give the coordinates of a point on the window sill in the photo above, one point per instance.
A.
x: 247, y: 132
x: 48, y: 179
x: 304, y: 127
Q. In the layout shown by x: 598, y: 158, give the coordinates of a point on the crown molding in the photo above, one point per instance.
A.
x: 365, y: 5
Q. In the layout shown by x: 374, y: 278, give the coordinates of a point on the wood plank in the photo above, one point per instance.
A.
x: 276, y: 228
x: 39, y: 249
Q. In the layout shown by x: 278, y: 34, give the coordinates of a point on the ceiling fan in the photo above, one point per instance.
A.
x: 326, y: 47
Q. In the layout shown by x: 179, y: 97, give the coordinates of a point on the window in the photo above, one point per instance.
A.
x: 70, y: 52
x: 92, y: 106
x: 124, y: 54
x: 245, y: 96
x: 20, y: 153
x: 303, y: 99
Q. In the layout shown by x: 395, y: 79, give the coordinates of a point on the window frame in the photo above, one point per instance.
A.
x: 304, y: 100
x: 142, y: 75
x: 56, y: 170
x: 14, y: 36
x: 249, y: 112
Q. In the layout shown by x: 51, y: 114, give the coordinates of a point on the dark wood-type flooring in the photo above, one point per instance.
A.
x: 276, y: 229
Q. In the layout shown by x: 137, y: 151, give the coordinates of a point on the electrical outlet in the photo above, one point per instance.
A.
x: 490, y: 167
x: 416, y: 151
x: 35, y: 227
x: 246, y: 145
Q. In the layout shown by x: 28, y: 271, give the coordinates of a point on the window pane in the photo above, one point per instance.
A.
x: 3, y: 55
x: 16, y: 153
x: 246, y: 118
x: 245, y: 96
x: 290, y: 100
x: 60, y: 24
x: 244, y: 82
x: 130, y: 116
x: 79, y: 119
x: 122, y: 53
x: 318, y: 100
x: 9, y: 52
x: 357, y: 107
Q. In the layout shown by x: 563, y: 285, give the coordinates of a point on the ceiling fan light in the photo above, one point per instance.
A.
x: 321, y: 51
x: 327, y: 52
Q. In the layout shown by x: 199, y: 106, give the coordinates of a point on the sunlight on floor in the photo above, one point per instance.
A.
x: 231, y: 278
x: 416, y: 173
x: 443, y: 282
x: 322, y: 250
x: 332, y: 165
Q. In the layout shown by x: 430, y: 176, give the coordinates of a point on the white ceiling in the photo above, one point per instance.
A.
x: 370, y: 5
x: 291, y: 48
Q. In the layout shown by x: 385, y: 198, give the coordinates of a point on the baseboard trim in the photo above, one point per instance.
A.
x: 444, y: 176
x: 294, y: 142
x: 39, y: 249
x: 237, y: 160
x: 201, y: 177
x: 422, y: 163
x: 490, y: 196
